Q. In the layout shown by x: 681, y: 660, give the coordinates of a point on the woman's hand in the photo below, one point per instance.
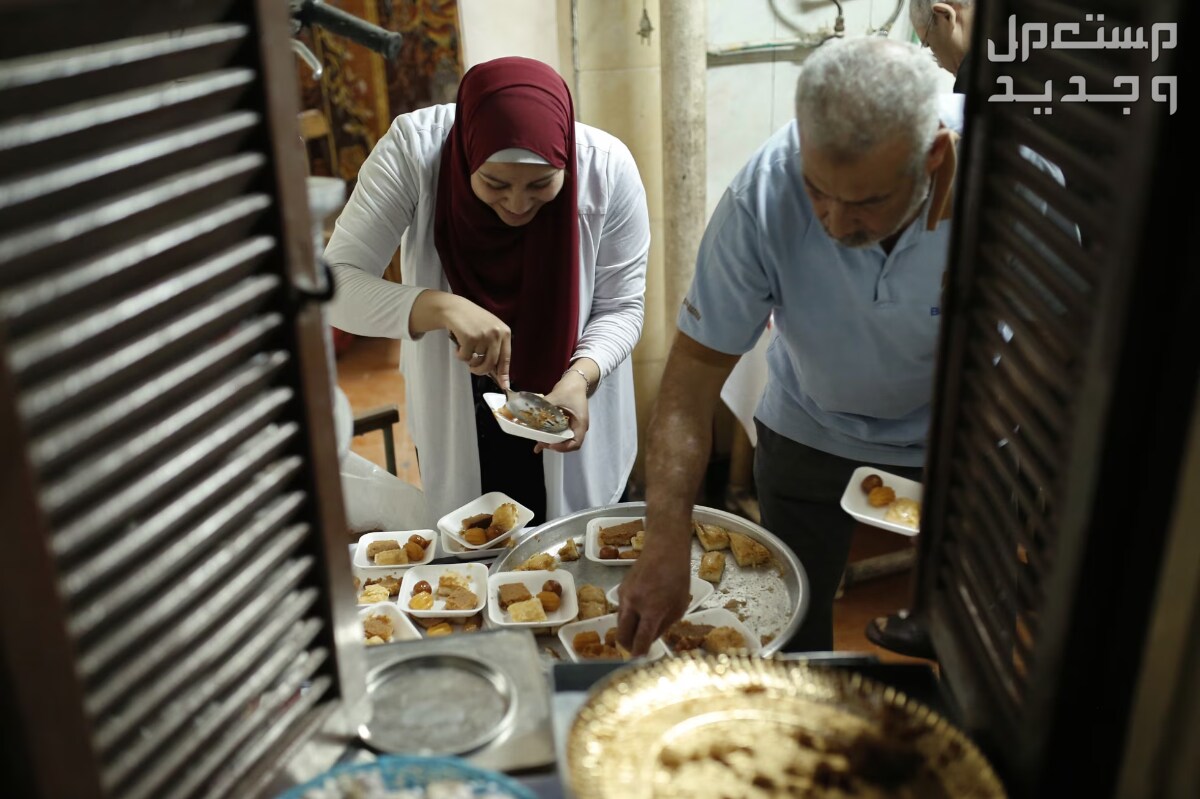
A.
x: 484, y: 341
x: 570, y: 394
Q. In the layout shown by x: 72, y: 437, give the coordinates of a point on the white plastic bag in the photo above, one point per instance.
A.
x: 378, y: 500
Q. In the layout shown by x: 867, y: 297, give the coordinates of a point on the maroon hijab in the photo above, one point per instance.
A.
x: 529, y: 275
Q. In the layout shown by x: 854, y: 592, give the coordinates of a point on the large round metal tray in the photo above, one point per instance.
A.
x: 770, y: 600
x: 714, y: 727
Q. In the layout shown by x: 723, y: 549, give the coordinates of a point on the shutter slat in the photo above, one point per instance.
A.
x: 115, y: 220
x: 108, y: 469
x: 86, y: 384
x: 176, y: 469
x: 257, y: 577
x: 293, y: 635
x: 250, y: 635
x: 85, y: 579
x: 202, y: 553
x: 70, y: 440
x: 196, y: 746
x: 1032, y: 221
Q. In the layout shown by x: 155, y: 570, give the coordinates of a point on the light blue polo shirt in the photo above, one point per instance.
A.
x: 851, y: 370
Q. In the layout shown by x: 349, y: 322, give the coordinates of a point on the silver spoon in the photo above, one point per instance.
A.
x: 532, y: 410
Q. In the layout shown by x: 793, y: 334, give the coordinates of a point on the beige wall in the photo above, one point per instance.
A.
x: 619, y: 92
x: 495, y: 28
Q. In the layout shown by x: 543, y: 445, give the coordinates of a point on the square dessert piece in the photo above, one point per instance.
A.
x: 724, y: 641
x: 541, y: 562
x: 747, y: 551
x: 712, y: 566
x: 529, y: 610
x: 375, y: 547
x: 513, y: 592
x: 451, y: 580
x: 620, y: 535
x: 711, y: 536
x: 391, y: 557
x: 461, y: 599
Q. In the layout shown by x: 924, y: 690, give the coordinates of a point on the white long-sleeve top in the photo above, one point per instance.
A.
x: 393, y: 206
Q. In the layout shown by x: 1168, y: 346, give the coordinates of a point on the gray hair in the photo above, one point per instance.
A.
x: 854, y: 94
x: 922, y: 9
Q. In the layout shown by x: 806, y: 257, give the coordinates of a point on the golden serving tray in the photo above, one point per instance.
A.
x: 701, y: 727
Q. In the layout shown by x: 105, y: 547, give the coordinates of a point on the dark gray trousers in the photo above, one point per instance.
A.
x: 799, y: 495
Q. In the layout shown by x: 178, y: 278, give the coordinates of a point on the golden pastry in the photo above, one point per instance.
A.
x: 461, y: 599
x: 881, y: 496
x: 569, y: 551
x: 391, y: 557
x: 539, y: 562
x: 529, y: 610
x: 375, y: 547
x: 505, y: 517
x: 711, y: 536
x: 448, y: 581
x: 747, y: 551
x: 904, y: 511
x: 440, y: 629
x: 372, y: 594
x: 712, y: 566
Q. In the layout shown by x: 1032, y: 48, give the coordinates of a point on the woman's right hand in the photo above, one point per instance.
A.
x: 484, y: 341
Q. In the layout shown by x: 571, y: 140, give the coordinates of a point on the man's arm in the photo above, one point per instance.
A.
x: 655, y: 594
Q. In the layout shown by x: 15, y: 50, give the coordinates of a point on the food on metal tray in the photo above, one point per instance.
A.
x: 440, y: 629
x: 541, y: 562
x: 569, y: 551
x: 712, y: 566
x: 711, y: 536
x: 747, y: 551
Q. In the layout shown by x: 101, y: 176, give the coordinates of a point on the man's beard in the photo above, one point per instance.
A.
x: 862, y: 238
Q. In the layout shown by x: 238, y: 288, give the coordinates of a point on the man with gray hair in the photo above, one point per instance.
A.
x: 945, y: 28
x: 837, y: 229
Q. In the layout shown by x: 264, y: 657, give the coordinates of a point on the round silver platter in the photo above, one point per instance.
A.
x: 437, y: 704
x: 770, y: 600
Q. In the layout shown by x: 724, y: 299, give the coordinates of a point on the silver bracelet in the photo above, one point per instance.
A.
x: 579, y: 372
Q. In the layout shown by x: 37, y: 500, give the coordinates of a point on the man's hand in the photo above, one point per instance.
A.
x: 655, y: 593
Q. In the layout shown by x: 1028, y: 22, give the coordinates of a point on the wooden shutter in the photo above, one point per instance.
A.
x: 1063, y: 383
x: 176, y: 603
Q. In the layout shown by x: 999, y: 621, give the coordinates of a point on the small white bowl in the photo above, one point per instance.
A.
x: 533, y: 582
x: 699, y: 589
x: 720, y: 617
x: 451, y: 523
x: 454, y: 549
x: 498, y: 401
x: 592, y: 544
x: 601, y: 624
x: 402, y: 628
x: 361, y: 561
x: 477, y: 577
x: 854, y: 501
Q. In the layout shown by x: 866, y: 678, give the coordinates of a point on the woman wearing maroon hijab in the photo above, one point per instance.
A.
x: 523, y: 238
